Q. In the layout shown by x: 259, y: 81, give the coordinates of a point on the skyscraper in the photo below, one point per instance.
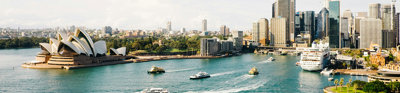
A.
x: 371, y: 32
x: 344, y: 33
x: 279, y: 34
x: 374, y: 10
x: 322, y: 24
x: 396, y: 27
x: 263, y: 31
x: 309, y: 24
x: 169, y: 26
x: 107, y: 30
x: 387, y: 15
x: 224, y: 31
x: 256, y: 32
x: 204, y: 25
x: 334, y: 15
x: 286, y: 9
x: 389, y: 36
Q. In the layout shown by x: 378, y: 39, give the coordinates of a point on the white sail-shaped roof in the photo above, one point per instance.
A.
x: 70, y: 45
x: 61, y: 35
x: 100, y: 47
x: 83, y: 34
x: 79, y: 47
x: 54, y: 43
x: 113, y: 51
x: 46, y: 46
x: 84, y: 45
x: 122, y: 51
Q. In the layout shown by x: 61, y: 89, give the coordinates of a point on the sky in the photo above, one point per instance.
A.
x: 151, y: 14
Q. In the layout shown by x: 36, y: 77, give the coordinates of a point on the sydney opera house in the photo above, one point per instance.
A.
x: 77, y: 49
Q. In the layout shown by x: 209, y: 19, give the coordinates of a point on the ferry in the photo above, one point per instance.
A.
x: 155, y: 69
x: 271, y: 59
x: 315, y: 58
x: 253, y: 71
x: 155, y: 90
x: 200, y: 75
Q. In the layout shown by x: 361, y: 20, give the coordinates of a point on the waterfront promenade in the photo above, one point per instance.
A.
x: 139, y: 59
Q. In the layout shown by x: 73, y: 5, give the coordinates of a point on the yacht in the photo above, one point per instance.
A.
x: 200, y: 75
x: 155, y: 69
x: 271, y: 59
x: 253, y: 71
x: 315, y: 58
x: 155, y: 90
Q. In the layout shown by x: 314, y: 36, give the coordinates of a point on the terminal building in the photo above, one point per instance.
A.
x: 77, y: 49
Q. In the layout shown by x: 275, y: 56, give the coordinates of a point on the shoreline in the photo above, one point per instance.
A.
x: 140, y: 59
x: 355, y: 72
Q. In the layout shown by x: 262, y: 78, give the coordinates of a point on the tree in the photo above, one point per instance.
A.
x: 341, y: 83
x: 348, y: 84
x: 394, y: 86
x: 336, y: 83
x: 375, y: 86
x: 355, y: 86
x: 136, y: 45
x: 358, y: 83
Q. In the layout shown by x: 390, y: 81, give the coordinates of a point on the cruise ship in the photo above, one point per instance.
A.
x: 315, y: 58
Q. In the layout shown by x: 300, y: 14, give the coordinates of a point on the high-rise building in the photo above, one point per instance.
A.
x: 334, y: 15
x: 374, y: 10
x: 344, y: 33
x: 286, y: 9
x: 396, y: 27
x: 107, y: 30
x: 387, y: 15
x: 322, y: 24
x: 238, y: 40
x: 309, y: 24
x: 357, y: 28
x: 256, y: 32
x: 263, y: 31
x: 389, y: 36
x: 224, y: 30
x: 169, y: 26
x: 279, y: 34
x: 204, y: 25
x: 208, y: 47
x: 370, y: 32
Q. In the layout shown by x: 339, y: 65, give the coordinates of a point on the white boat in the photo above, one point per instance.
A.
x: 327, y: 72
x: 315, y: 58
x: 155, y: 90
x: 330, y: 79
x: 200, y: 75
x: 271, y: 59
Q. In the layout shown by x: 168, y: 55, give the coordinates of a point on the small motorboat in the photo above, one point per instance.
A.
x: 297, y: 63
x: 200, y: 75
x: 326, y: 72
x: 271, y: 59
x: 154, y: 90
x: 253, y: 71
x: 155, y: 69
x: 330, y: 79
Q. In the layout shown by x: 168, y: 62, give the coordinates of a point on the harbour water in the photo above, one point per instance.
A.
x: 227, y: 75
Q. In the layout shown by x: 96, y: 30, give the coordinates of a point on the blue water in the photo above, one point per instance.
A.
x: 227, y: 75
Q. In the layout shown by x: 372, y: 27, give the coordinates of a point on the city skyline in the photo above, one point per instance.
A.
x: 151, y: 14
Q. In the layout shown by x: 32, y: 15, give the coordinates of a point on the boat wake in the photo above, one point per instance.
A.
x: 265, y: 61
x: 239, y: 79
x: 223, y: 73
x: 239, y: 88
x: 180, y: 70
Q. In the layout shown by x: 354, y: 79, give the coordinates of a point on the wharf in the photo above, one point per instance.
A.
x: 356, y: 72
